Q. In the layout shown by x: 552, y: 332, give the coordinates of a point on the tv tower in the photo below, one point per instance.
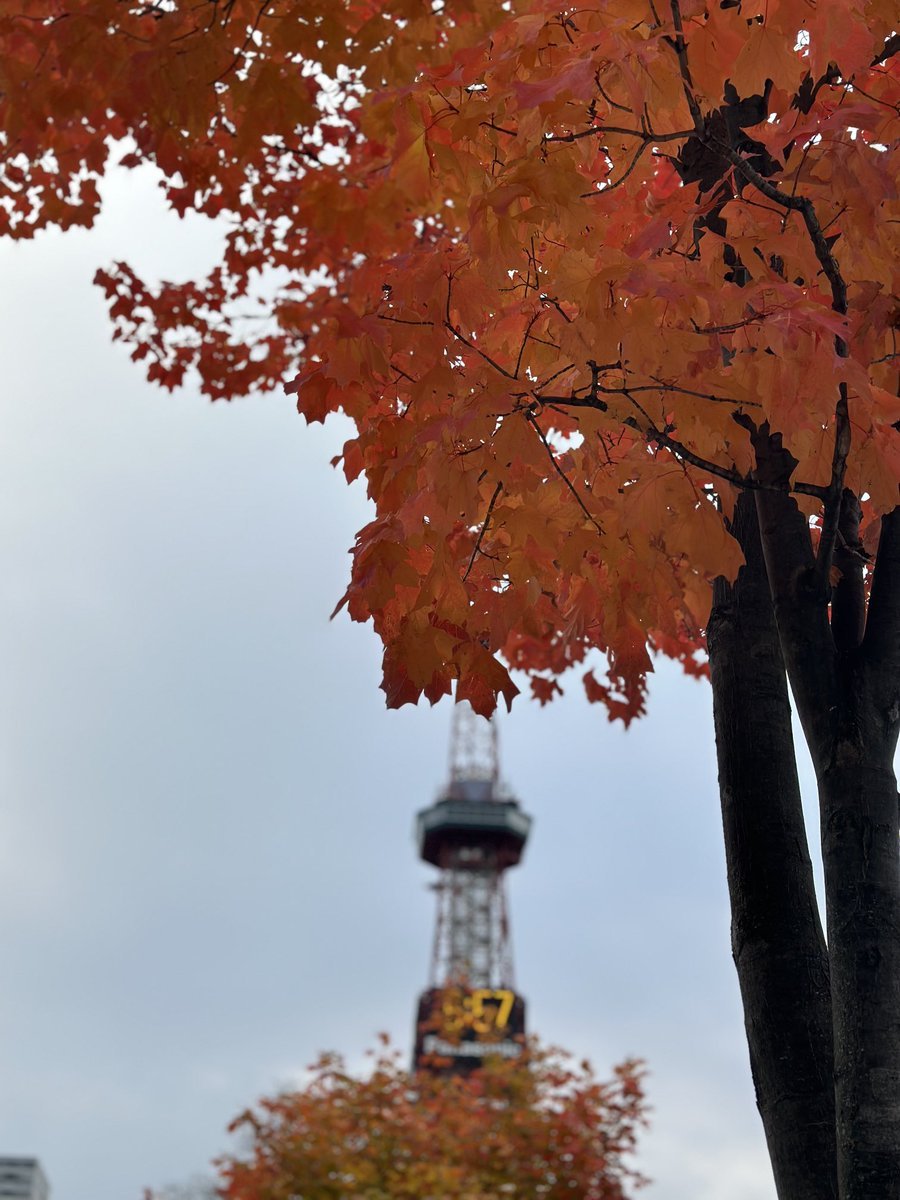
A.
x: 473, y: 834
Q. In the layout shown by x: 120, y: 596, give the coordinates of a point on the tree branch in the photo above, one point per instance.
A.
x: 679, y: 45
x: 532, y: 420
x: 528, y: 329
x: 804, y: 206
x: 662, y: 438
x: 601, y: 191
x: 799, y: 594
x: 598, y: 130
x: 239, y: 54
x: 831, y: 268
x: 484, y: 526
x: 659, y: 385
x: 460, y: 336
x: 403, y: 320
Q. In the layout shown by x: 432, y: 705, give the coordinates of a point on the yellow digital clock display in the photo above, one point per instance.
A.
x: 459, y: 1028
x: 484, y: 1011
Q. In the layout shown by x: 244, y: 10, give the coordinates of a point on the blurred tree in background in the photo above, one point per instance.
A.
x: 538, y: 1127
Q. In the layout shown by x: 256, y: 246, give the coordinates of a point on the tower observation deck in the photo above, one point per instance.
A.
x: 473, y: 834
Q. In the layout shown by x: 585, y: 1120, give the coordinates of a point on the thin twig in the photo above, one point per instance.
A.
x: 552, y: 300
x: 681, y: 451
x: 752, y: 319
x: 500, y: 128
x: 597, y: 130
x: 875, y: 99
x: 532, y: 420
x: 800, y: 166
x: 804, y: 206
x: 833, y: 493
x: 487, y: 517
x: 247, y: 40
x: 610, y: 187
x: 658, y: 386
x: 609, y: 100
x: 524, y: 342
x: 562, y: 370
x: 662, y: 438
x: 402, y: 320
x: 457, y: 333
x: 679, y: 45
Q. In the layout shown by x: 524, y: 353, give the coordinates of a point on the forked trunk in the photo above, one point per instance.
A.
x: 843, y: 661
x: 777, y: 941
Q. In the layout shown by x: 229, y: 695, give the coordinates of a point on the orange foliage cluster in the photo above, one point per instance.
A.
x: 544, y: 1129
x: 555, y: 263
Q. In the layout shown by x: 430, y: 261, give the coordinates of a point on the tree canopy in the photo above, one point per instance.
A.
x: 544, y: 1127
x: 506, y: 240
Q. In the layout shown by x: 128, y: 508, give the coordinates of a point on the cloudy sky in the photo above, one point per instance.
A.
x: 207, y: 872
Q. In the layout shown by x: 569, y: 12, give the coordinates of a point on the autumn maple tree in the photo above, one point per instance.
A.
x: 541, y: 1128
x: 610, y: 293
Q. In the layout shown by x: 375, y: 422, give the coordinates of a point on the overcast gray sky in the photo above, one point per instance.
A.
x: 207, y: 871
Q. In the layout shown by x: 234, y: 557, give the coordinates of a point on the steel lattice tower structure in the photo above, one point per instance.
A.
x: 473, y: 834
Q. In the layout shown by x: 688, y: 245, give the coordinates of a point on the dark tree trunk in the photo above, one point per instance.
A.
x: 844, y: 669
x: 859, y: 845
x: 858, y: 797
x: 777, y: 941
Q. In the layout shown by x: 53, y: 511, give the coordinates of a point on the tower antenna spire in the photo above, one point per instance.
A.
x: 473, y: 747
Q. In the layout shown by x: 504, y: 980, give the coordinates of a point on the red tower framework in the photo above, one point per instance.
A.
x: 473, y: 834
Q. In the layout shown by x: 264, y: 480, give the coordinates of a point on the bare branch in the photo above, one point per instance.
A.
x: 532, y: 420
x: 484, y: 525
x: 612, y: 186
x: 500, y: 128
x: 606, y: 96
x: 663, y: 438
x: 556, y: 374
x: 460, y: 336
x: 599, y: 130
x: 525, y: 341
x: 804, y: 206
x: 679, y: 45
x: 659, y: 385
x: 752, y: 319
x: 554, y: 302
x: 243, y: 48
x: 403, y: 321
x: 832, y: 271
